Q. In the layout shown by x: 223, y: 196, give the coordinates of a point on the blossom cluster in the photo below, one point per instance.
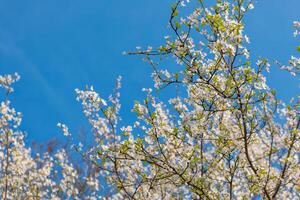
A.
x: 294, y: 62
x: 24, y: 175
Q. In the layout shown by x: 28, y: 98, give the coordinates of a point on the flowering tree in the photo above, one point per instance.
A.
x: 226, y: 136
x: 23, y: 176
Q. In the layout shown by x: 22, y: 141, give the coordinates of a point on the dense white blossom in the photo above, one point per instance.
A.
x: 222, y: 134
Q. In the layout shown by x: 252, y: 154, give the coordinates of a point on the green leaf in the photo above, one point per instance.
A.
x: 176, y: 76
x: 175, y: 13
x: 273, y: 92
x: 298, y: 48
x: 178, y: 25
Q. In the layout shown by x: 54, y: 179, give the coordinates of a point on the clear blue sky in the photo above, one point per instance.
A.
x: 59, y: 45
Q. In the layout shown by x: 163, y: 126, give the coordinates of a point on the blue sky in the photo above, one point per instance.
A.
x: 59, y: 45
